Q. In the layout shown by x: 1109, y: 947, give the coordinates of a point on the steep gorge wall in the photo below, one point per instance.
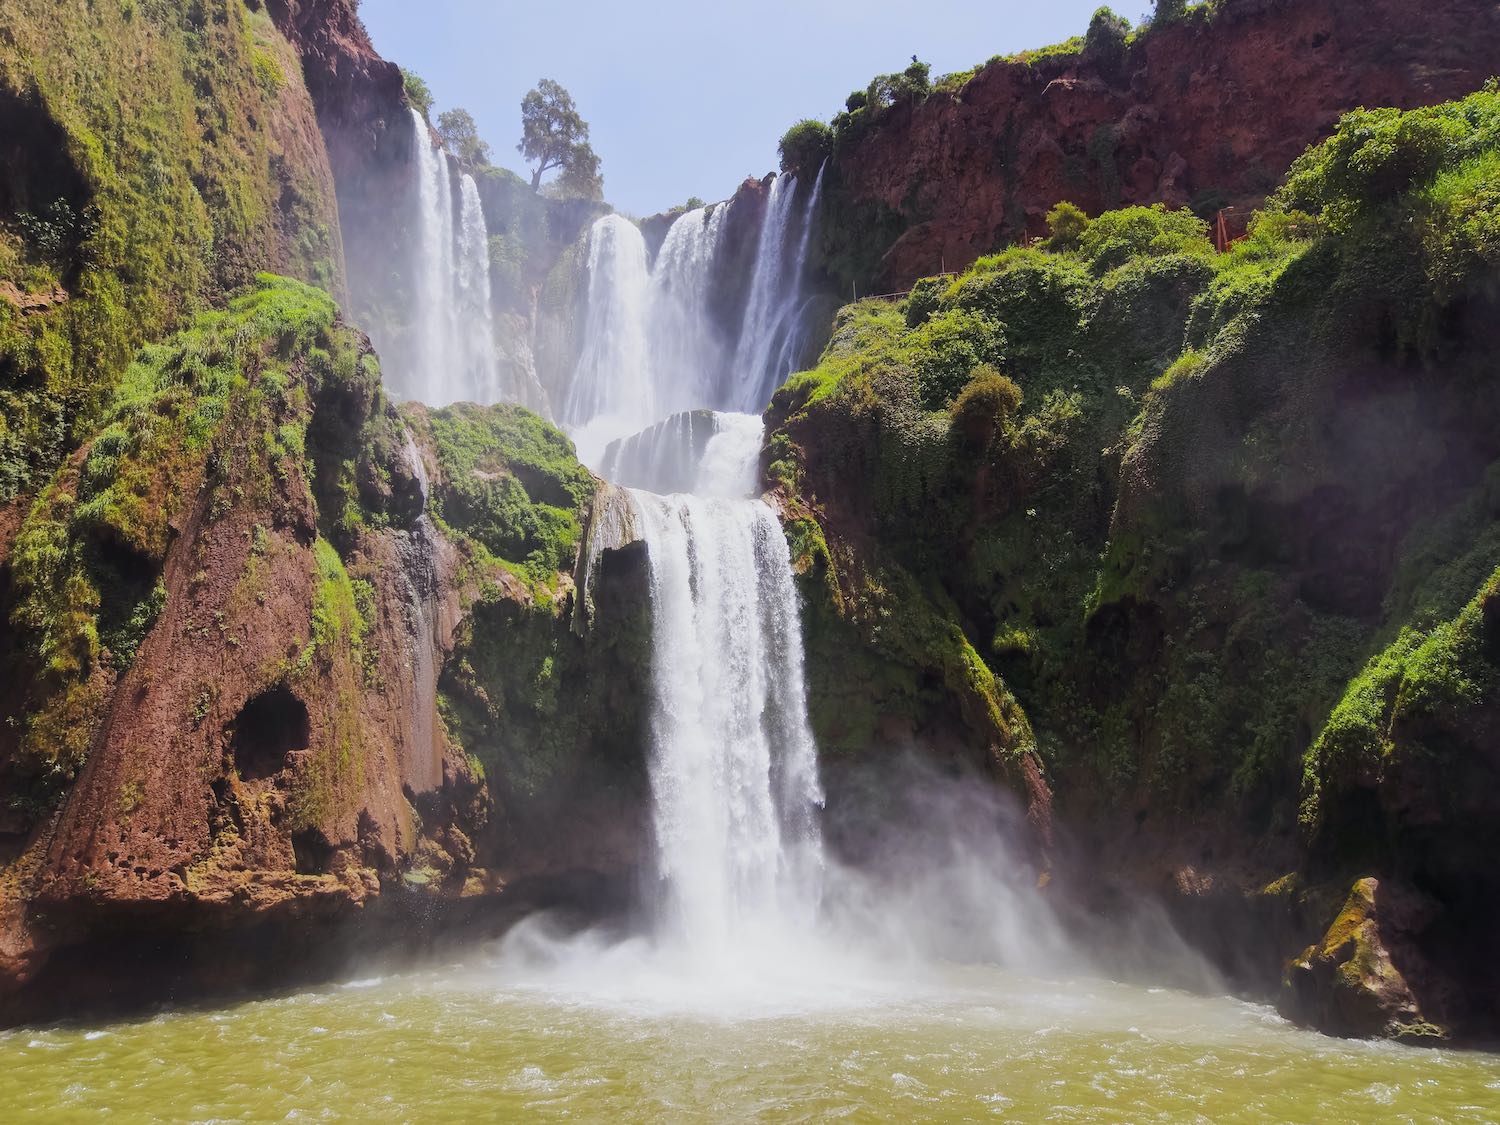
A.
x: 156, y: 157
x: 1210, y: 110
x: 255, y: 699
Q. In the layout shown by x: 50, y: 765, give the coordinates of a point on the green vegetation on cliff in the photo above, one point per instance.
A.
x: 86, y: 571
x: 1156, y: 488
x: 540, y: 709
x: 135, y: 200
x: 508, y: 480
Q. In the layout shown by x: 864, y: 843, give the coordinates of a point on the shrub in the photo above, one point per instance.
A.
x: 461, y: 134
x: 1106, y: 36
x: 912, y: 84
x: 805, y: 146
x: 417, y: 92
x: 1375, y: 155
x: 510, y: 481
x: 944, y: 350
x: 923, y: 300
x: 1066, y: 226
x: 1115, y: 237
x: 984, y: 408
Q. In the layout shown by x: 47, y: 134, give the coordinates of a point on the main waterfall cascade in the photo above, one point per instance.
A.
x: 733, y: 767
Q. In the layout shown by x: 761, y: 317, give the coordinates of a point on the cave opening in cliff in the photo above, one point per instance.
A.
x: 269, y: 727
x: 313, y: 852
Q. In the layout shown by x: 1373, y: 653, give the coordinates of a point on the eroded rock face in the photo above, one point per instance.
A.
x: 270, y: 759
x: 1205, y: 111
x: 1367, y: 977
x: 357, y: 92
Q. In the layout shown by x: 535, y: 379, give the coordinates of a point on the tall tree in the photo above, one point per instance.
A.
x: 580, y: 176
x: 555, y: 136
x: 461, y: 135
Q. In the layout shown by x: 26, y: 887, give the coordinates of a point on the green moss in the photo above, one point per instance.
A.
x: 510, y: 481
x: 1403, y: 707
x: 86, y: 569
x: 541, y: 709
x: 168, y: 197
x: 1185, y: 633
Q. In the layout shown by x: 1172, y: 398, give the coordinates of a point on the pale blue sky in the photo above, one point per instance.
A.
x: 689, y: 98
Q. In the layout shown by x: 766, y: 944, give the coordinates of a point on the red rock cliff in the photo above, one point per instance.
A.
x: 1211, y: 110
x: 356, y: 91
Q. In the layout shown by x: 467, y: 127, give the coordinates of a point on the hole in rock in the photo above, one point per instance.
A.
x: 313, y: 852
x: 267, y: 729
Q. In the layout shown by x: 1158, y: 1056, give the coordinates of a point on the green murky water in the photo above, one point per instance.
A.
x: 461, y: 1044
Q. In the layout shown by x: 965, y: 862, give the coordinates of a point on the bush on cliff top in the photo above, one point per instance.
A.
x: 805, y: 146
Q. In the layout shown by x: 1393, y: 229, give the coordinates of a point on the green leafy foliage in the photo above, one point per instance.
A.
x: 460, y: 134
x: 418, y: 93
x: 1107, y: 36
x: 555, y: 136
x: 1066, y: 226
x: 510, y: 481
x: 1148, y: 523
x: 1116, y: 237
x: 805, y: 146
x: 156, y: 196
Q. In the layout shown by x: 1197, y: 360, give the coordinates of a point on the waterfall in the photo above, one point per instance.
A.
x: 452, y: 352
x: 434, y: 332
x: 767, y: 295
x: 662, y: 458
x: 687, y: 351
x: 701, y: 451
x: 652, y: 346
x: 612, y: 388
x: 794, y: 309
x: 733, y: 770
x: 474, y: 330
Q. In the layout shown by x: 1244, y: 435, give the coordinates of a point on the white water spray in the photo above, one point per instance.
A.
x: 612, y: 388
x: 687, y: 349
x: 434, y: 334
x: 453, y: 349
x: 792, y: 319
x: 477, y: 377
x: 734, y: 767
x: 652, y: 346
x: 768, y: 295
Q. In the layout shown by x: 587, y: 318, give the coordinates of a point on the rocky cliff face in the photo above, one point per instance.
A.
x: 1209, y: 110
x: 125, y: 203
x: 1217, y: 552
x: 247, y: 684
x: 358, y: 94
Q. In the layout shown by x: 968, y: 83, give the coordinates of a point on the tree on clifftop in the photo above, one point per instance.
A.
x: 555, y: 136
x: 461, y: 136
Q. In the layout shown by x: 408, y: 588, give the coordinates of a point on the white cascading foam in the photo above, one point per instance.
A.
x: 733, y: 766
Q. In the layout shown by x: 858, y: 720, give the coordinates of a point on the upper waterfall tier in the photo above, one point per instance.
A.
x: 435, y: 324
x: 653, y: 345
